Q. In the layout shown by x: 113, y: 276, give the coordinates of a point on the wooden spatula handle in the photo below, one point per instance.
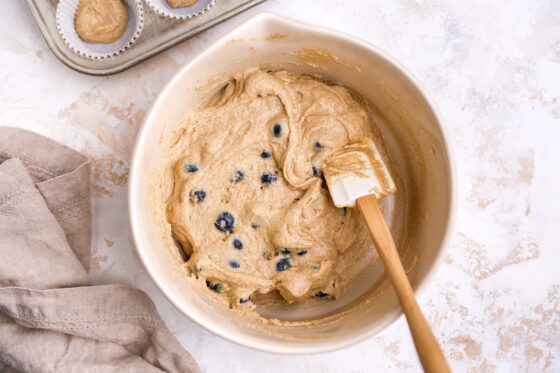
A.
x: 429, y: 352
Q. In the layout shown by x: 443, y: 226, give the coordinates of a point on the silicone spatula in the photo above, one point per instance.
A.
x: 357, y: 175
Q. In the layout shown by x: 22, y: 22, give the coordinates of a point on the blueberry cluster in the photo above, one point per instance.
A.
x: 237, y: 244
x: 198, y: 195
x: 217, y: 287
x: 224, y: 222
x: 283, y: 264
x: 316, y: 172
x: 277, y: 130
x: 239, y: 175
x: 234, y: 264
x: 268, y: 178
x: 190, y: 167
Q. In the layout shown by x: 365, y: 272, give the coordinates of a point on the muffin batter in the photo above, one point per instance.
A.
x: 249, y: 206
x: 181, y: 3
x: 100, y: 21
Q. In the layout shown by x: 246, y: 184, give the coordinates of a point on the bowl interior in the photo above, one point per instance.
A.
x: 420, y: 214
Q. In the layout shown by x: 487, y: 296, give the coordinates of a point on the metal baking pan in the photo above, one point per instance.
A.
x: 158, y: 34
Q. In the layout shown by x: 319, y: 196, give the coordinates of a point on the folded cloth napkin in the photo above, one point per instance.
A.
x: 52, y: 319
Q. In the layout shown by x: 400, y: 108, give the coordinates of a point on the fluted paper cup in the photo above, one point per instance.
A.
x: 163, y: 8
x: 65, y: 21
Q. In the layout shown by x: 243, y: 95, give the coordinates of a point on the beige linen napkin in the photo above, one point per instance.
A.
x: 51, y: 317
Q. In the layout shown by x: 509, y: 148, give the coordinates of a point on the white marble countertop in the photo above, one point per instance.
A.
x: 494, y: 69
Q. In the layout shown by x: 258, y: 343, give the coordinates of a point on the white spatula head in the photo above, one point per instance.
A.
x: 355, y: 171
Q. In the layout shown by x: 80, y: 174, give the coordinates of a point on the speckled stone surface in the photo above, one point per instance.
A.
x: 494, y: 69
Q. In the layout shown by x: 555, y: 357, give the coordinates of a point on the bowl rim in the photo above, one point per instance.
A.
x: 315, y: 346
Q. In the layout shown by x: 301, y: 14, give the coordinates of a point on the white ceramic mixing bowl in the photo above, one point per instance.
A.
x: 421, y: 214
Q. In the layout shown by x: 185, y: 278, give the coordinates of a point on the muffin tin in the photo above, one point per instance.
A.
x: 158, y: 34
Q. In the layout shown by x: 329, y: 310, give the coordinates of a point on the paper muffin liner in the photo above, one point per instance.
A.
x: 66, y: 13
x: 163, y: 8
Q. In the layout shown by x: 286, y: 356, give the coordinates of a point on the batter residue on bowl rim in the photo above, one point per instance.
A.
x: 249, y: 206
